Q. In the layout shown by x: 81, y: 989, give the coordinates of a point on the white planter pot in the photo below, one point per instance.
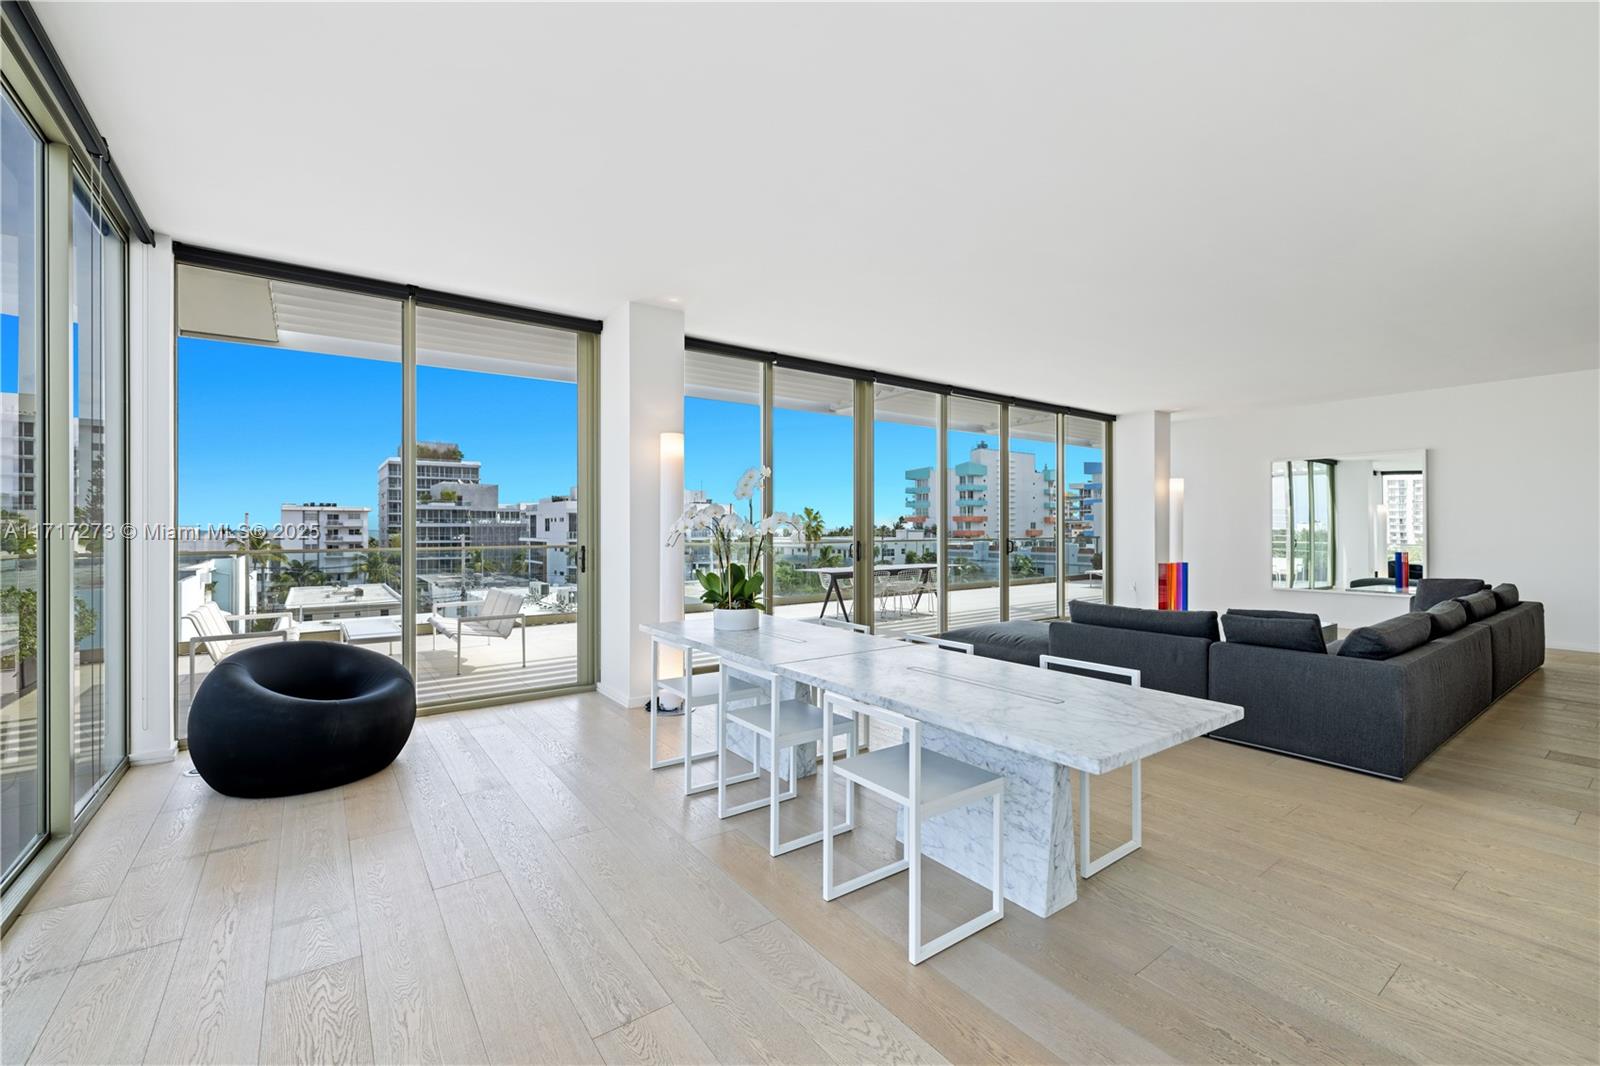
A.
x: 745, y: 618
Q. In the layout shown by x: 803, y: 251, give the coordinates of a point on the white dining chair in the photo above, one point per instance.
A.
x: 1088, y: 867
x: 939, y: 642
x: 693, y: 692
x: 784, y: 724
x: 926, y: 784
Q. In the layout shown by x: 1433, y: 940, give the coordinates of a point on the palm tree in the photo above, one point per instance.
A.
x: 299, y: 572
x: 378, y: 568
x: 258, y: 543
x: 829, y: 556
x: 811, y: 527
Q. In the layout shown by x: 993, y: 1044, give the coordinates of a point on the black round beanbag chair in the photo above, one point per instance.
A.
x: 301, y: 716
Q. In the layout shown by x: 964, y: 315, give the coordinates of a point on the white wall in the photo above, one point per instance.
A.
x: 1140, y: 474
x: 641, y: 397
x: 1513, y: 494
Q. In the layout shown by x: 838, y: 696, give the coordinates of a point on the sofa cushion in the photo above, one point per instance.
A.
x: 1506, y: 595
x: 1479, y: 605
x: 1243, y: 612
x: 1446, y: 617
x: 1021, y: 641
x: 1518, y: 643
x: 1391, y: 637
x: 1303, y: 633
x: 1432, y: 590
x: 1201, y: 624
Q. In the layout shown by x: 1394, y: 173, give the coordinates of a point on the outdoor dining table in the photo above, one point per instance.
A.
x: 835, y: 574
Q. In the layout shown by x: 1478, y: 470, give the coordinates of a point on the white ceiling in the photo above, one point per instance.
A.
x: 1119, y: 207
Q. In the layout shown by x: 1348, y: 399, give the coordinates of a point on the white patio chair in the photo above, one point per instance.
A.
x: 897, y: 587
x: 212, y: 632
x: 494, y: 619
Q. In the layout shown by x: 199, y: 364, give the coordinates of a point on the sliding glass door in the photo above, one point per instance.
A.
x: 813, y: 478
x: 499, y: 535
x: 1084, y: 515
x: 721, y: 440
x: 907, y: 509
x: 1031, y: 519
x: 22, y: 724
x: 99, y: 506
x: 973, y: 511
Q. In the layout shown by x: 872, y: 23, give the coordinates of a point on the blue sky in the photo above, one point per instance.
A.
x: 259, y: 427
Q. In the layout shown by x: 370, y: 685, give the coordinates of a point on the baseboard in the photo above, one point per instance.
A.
x: 151, y: 758
x: 620, y: 697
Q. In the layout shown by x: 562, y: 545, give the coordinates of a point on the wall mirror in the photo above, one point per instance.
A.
x: 1352, y: 523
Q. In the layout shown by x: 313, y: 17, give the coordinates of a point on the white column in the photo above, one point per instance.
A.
x: 641, y: 397
x: 152, y: 638
x: 1141, y: 471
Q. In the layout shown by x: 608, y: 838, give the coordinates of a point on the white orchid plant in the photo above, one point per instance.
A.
x: 738, y: 542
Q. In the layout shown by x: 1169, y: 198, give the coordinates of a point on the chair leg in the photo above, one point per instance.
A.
x: 921, y: 952
x: 914, y: 857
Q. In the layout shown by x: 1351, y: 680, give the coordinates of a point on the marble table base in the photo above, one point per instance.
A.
x: 1040, y: 863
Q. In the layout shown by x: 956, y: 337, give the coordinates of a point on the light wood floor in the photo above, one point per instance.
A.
x: 518, y: 888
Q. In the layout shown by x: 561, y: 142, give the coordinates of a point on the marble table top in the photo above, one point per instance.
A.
x: 776, y: 642
x: 1085, y: 723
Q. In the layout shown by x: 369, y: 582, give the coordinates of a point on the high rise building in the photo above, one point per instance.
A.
x: 973, y: 487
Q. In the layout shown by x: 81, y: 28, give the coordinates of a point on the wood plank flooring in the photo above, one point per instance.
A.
x: 518, y: 888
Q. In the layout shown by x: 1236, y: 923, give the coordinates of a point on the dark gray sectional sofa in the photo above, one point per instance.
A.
x: 1379, y: 701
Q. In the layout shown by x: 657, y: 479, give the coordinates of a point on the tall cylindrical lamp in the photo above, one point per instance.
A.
x: 1175, y: 519
x: 671, y: 606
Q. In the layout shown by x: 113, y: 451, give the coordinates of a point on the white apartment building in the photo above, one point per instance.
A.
x: 973, y: 487
x: 337, y: 534
x: 553, y: 520
x: 1404, y: 497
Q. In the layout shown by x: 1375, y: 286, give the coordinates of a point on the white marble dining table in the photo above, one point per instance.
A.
x: 1029, y: 724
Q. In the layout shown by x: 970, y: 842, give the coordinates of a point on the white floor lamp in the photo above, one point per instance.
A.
x: 671, y: 590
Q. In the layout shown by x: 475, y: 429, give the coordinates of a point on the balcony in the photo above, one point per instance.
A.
x: 293, y: 590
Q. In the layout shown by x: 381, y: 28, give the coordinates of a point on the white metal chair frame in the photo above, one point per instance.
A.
x: 682, y: 687
x: 1088, y: 867
x: 917, y: 811
x: 283, y: 629
x: 896, y: 586
x: 464, y: 625
x: 939, y: 642
x: 825, y: 728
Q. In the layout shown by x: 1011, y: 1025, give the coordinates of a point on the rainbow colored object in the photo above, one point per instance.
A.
x: 1172, y: 586
x: 1402, y: 570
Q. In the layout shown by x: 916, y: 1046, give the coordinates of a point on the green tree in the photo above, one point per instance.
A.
x: 1023, y: 566
x: 258, y: 543
x: 811, y: 527
x: 298, y: 572
x: 378, y: 568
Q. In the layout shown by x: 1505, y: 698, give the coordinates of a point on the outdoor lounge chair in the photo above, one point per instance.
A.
x: 495, y: 617
x: 212, y: 632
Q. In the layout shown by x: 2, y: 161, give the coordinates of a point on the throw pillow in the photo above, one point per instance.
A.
x: 1386, y: 639
x: 1290, y: 634
x: 1446, y: 617
x: 1506, y: 595
x: 1479, y: 605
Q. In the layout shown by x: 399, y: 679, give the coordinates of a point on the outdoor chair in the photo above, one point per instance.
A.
x: 494, y: 618
x: 212, y: 632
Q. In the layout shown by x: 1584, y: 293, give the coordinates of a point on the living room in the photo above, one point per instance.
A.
x: 800, y: 533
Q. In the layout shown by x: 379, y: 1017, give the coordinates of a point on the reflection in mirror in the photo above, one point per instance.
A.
x: 1339, y: 523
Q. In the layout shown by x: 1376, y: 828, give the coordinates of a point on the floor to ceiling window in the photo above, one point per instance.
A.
x: 314, y: 544
x: 907, y: 509
x: 813, y: 479
x: 22, y: 732
x: 1084, y: 513
x: 99, y: 562
x: 498, y: 504
x: 721, y: 440
x: 973, y: 510
x: 1008, y: 519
